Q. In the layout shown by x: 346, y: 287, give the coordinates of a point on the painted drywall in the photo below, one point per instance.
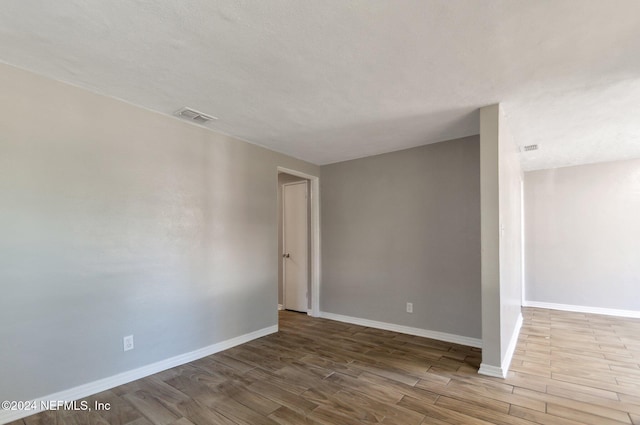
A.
x: 115, y: 221
x: 490, y: 236
x: 510, y: 213
x: 405, y: 227
x: 282, y: 179
x: 500, y: 183
x: 583, y: 235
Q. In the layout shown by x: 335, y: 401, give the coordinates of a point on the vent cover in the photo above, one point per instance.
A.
x: 193, y: 115
x: 530, y: 148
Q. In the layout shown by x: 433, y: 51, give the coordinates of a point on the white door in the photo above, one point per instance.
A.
x: 295, y: 255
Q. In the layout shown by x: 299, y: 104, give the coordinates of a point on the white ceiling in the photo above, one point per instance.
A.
x: 330, y: 80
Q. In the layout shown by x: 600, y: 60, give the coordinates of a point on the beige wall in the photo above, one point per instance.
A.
x: 501, y: 241
x: 116, y: 221
x: 583, y: 235
x: 405, y: 227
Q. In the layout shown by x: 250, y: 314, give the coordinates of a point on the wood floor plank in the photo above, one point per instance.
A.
x: 616, y: 405
x: 582, y: 416
x: 403, y: 389
x: 286, y: 416
x: 329, y: 416
x: 120, y: 411
x: 151, y: 408
x: 384, y: 412
x: 479, y: 411
x: 582, y: 406
x: 440, y: 412
x: 143, y: 421
x: 293, y: 401
x: 253, y: 400
x: 380, y: 392
x: 387, y: 372
x: 183, y: 421
x: 199, y: 414
x: 505, y: 397
x: 540, y: 417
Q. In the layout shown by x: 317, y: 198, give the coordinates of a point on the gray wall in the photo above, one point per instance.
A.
x: 115, y: 220
x: 282, y: 179
x: 583, y: 235
x: 501, y: 239
x: 405, y: 227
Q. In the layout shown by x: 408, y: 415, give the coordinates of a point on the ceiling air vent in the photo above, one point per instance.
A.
x: 193, y: 115
x: 528, y: 148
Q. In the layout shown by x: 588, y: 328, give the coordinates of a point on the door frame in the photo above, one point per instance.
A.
x: 307, y: 308
x: 314, y: 195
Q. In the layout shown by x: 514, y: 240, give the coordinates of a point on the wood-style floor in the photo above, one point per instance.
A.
x: 569, y: 368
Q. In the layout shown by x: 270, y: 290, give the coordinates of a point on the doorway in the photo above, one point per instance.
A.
x: 295, y: 246
x: 299, y: 281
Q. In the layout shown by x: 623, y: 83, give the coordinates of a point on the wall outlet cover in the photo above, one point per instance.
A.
x: 127, y: 343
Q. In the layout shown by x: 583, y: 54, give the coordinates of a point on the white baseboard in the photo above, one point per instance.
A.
x: 488, y: 370
x: 104, y: 384
x: 441, y: 336
x: 501, y: 372
x: 280, y: 307
x: 584, y: 309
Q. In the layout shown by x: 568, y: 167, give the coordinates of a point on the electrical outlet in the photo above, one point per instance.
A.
x: 127, y: 343
x: 409, y: 307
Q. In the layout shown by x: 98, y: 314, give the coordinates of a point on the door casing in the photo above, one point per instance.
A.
x: 315, y: 263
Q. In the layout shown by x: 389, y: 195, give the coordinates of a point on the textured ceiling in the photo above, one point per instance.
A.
x: 330, y: 80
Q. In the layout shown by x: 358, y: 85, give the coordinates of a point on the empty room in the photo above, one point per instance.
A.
x: 320, y: 212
